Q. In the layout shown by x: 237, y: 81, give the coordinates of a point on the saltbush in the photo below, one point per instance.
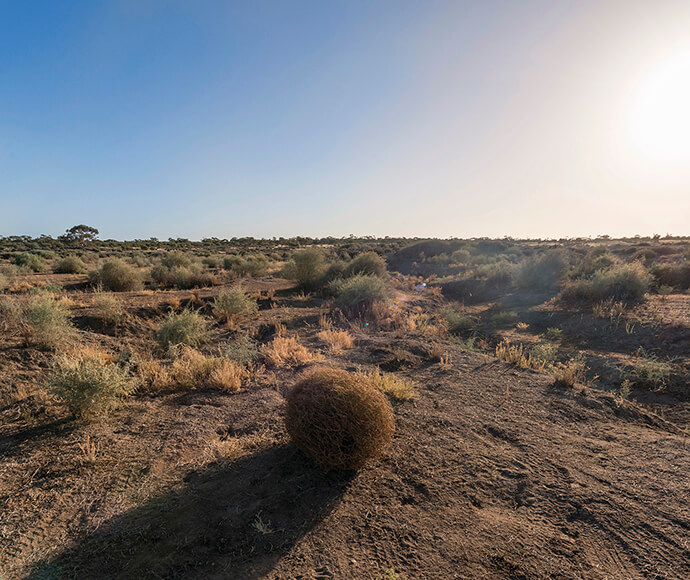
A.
x: 70, y: 265
x: 622, y: 282
x: 307, y: 268
x: 188, y: 327
x: 359, y: 293
x: 89, y: 387
x: 368, y: 263
x: 116, y: 275
x: 33, y: 262
x: 233, y: 303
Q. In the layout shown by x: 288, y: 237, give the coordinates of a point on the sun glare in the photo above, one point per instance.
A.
x: 659, y: 115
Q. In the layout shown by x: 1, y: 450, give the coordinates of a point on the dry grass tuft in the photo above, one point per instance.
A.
x: 287, y: 351
x: 109, y: 308
x: 337, y: 340
x: 570, y: 373
x: 338, y: 418
x: 393, y: 386
x: 193, y: 370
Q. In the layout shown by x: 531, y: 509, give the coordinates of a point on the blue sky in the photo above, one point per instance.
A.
x: 417, y: 118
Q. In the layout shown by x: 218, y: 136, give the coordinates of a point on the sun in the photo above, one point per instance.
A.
x: 659, y: 113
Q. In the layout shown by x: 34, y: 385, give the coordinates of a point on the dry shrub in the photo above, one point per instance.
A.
x: 109, y: 308
x: 287, y: 351
x: 339, y: 419
x: 393, y: 386
x: 89, y: 386
x: 153, y: 374
x: 337, y: 340
x: 45, y: 322
x: 194, y: 370
x: 570, y: 373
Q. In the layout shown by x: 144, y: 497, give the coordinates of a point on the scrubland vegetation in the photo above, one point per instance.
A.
x: 196, y: 349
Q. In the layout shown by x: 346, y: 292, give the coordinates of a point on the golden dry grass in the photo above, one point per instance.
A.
x: 337, y: 340
x: 287, y: 351
x: 395, y: 387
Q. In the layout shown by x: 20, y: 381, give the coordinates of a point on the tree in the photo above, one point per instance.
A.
x: 81, y: 233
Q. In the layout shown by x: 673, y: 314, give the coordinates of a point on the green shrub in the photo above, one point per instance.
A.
x: 233, y: 303
x: 33, y: 262
x: 368, y: 263
x: 622, y: 282
x: 458, y: 322
x: 176, y: 259
x: 307, y: 268
x: 672, y: 275
x: 541, y: 271
x: 89, y: 387
x: 109, y: 308
x: 187, y: 327
x: 650, y: 372
x: 117, y: 276
x: 338, y: 419
x: 359, y: 293
x: 46, y: 322
x: 244, y: 350
x: 70, y: 265
x: 182, y: 277
x: 254, y: 265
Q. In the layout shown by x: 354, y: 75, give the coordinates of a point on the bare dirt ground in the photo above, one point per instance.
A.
x: 495, y: 472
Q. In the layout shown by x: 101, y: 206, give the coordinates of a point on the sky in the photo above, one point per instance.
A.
x: 154, y: 118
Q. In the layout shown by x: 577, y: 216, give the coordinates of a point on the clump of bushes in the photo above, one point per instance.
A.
x: 46, y: 322
x: 672, y: 275
x: 116, y: 275
x: 176, y: 259
x: 622, y: 282
x: 254, y: 265
x: 338, y: 419
x: 187, y: 327
x: 368, y: 264
x: 33, y: 262
x: 181, y: 276
x: 358, y: 294
x: 541, y: 272
x: 307, y: 268
x: 90, y: 386
x: 70, y: 265
x: 233, y: 303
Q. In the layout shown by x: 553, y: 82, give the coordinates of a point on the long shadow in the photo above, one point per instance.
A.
x: 10, y: 445
x: 232, y: 522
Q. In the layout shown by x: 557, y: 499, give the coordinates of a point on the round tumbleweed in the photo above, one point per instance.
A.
x: 339, y: 419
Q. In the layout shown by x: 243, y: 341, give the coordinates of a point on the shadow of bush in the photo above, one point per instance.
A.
x: 228, y: 522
